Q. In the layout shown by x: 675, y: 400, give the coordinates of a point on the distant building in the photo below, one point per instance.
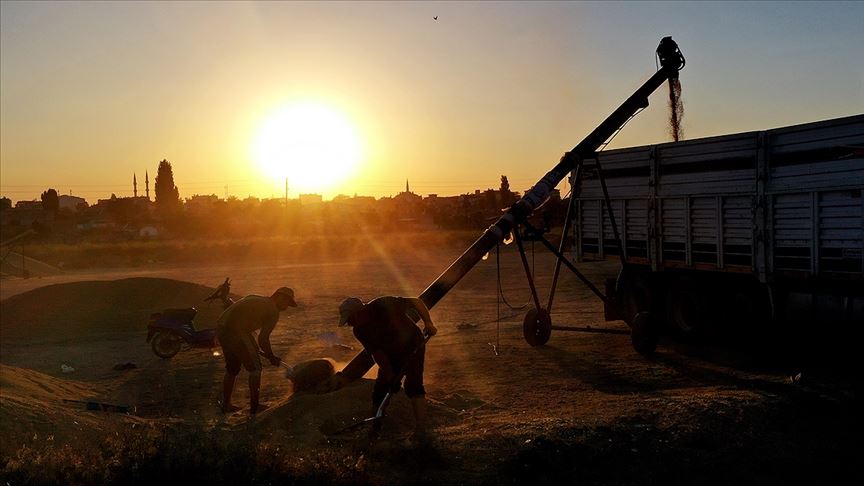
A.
x: 28, y: 204
x: 95, y: 223
x: 201, y: 204
x: 26, y: 215
x: 407, y: 198
x: 310, y: 199
x: 140, y: 201
x: 68, y: 201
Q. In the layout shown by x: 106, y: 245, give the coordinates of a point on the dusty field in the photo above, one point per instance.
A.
x: 584, y: 408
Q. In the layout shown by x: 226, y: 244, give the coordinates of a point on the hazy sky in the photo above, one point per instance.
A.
x: 92, y: 92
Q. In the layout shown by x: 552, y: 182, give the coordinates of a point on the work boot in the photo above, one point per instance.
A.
x: 230, y: 408
x: 260, y: 408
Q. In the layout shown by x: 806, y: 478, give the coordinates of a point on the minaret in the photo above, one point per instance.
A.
x: 406, y: 186
x: 134, y: 185
x: 147, y: 184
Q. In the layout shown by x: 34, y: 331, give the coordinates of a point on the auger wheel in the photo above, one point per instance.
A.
x: 537, y: 327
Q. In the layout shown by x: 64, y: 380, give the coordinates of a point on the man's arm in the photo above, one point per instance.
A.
x: 428, y: 325
x: 264, y: 343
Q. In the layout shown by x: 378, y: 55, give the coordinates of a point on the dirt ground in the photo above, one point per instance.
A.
x: 585, y: 408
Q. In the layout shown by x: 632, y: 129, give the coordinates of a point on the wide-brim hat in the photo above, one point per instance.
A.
x: 287, y: 293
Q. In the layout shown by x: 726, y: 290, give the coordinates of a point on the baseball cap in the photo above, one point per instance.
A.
x: 286, y: 292
x: 348, y: 307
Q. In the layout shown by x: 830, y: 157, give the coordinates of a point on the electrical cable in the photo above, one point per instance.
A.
x: 498, y: 301
x: 501, y: 287
x: 603, y: 147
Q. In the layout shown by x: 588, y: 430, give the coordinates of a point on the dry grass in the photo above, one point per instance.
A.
x: 286, y: 249
x: 192, y: 455
x: 582, y: 409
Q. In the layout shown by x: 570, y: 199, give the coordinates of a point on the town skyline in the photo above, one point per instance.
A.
x: 133, y: 191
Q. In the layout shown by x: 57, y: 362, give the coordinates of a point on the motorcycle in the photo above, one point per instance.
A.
x: 168, y: 331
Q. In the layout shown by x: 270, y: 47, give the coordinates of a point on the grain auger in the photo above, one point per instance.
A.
x: 537, y: 323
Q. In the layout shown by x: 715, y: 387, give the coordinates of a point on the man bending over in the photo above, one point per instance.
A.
x: 396, y: 344
x: 235, y: 328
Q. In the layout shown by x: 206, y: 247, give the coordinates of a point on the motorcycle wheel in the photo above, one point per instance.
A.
x: 166, y: 344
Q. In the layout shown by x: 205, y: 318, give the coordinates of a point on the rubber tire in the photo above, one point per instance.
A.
x: 537, y: 327
x: 684, y: 311
x: 643, y: 334
x: 631, y: 293
x: 171, y: 342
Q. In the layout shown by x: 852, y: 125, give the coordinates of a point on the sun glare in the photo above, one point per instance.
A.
x: 312, y: 145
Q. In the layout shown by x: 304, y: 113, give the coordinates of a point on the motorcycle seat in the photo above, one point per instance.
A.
x: 186, y: 314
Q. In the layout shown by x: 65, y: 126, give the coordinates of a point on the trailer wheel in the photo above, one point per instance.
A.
x: 684, y: 311
x: 632, y: 293
x: 643, y: 334
x: 537, y: 327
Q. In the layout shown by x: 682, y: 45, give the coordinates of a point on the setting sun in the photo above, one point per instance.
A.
x: 313, y: 145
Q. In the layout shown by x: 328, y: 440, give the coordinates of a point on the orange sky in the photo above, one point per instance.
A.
x: 92, y: 92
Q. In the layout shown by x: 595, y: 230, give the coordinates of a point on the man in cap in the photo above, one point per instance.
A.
x: 235, y: 327
x: 388, y: 333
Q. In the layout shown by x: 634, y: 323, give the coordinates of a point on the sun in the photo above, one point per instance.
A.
x: 314, y: 146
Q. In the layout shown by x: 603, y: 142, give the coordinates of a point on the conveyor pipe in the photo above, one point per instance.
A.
x: 671, y: 62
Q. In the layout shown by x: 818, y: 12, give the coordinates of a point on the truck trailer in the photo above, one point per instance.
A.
x: 747, y: 229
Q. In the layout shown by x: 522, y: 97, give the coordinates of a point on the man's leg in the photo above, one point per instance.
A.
x: 415, y: 390
x: 252, y: 363
x: 227, y: 390
x: 255, y: 392
x: 232, y: 368
x: 418, y: 406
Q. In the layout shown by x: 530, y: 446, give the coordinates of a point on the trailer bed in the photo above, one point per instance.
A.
x: 787, y: 202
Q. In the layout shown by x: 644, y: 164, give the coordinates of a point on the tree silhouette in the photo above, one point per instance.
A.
x: 167, y: 195
x: 50, y: 201
x: 507, y: 196
x: 5, y: 203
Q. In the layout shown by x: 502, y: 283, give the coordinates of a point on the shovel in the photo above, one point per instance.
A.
x: 289, y: 370
x: 382, y: 408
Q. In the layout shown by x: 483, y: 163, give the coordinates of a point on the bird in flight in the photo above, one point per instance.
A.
x: 435, y: 17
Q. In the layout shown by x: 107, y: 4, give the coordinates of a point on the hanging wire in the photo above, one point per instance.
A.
x: 533, y: 258
x: 603, y: 147
x: 501, y: 287
x: 498, y: 301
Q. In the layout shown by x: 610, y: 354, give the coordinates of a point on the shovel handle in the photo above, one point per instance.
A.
x: 281, y: 363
